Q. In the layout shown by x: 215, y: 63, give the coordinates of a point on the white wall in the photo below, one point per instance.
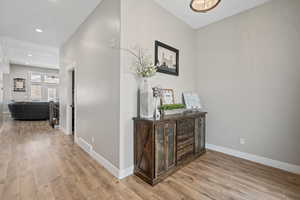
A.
x: 248, y: 78
x: 97, y: 66
x: 143, y: 22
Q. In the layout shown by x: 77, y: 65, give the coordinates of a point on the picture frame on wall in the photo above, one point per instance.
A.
x: 167, y: 97
x: 19, y: 85
x: 166, y: 59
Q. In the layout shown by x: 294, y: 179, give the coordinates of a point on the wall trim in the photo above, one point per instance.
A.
x: 88, y: 148
x: 63, y: 130
x: 85, y: 145
x: 258, y: 159
x: 105, y: 163
x: 126, y: 172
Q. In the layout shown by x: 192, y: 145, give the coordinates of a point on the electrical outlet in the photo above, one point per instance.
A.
x: 242, y: 141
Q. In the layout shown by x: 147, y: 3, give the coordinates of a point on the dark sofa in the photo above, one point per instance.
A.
x: 29, y: 110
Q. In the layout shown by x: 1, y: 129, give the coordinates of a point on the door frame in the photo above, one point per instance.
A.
x: 69, y: 102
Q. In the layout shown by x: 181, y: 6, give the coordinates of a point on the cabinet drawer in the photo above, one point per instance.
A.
x: 185, y: 152
x: 183, y: 138
x: 185, y: 143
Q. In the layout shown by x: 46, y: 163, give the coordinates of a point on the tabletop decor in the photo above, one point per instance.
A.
x: 192, y: 100
x: 156, y: 95
x: 144, y: 69
x: 167, y: 96
x: 172, y: 109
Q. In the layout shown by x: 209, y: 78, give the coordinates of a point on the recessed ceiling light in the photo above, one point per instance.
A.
x: 30, y: 55
x: 38, y: 30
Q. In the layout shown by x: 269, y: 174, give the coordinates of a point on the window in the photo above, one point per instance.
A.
x: 43, y: 86
x: 36, y: 92
x: 51, y: 79
x: 52, y: 94
x: 36, y: 77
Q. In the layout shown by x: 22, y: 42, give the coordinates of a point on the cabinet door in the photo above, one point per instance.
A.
x: 165, y: 143
x: 199, y: 135
x: 170, y: 134
x: 160, y: 151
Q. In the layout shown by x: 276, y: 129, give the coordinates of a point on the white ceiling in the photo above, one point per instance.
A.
x: 59, y: 19
x: 226, y: 8
x: 27, y: 53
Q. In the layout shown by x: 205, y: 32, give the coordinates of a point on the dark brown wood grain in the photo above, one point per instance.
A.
x: 173, y: 140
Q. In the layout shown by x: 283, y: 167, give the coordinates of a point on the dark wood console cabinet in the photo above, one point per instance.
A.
x: 163, y: 146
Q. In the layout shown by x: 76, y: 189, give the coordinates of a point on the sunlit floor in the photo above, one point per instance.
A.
x: 38, y: 162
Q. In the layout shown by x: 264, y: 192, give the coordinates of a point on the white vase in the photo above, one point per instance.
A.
x: 146, y: 99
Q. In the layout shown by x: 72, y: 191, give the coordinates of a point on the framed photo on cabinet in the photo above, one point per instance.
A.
x: 167, y: 97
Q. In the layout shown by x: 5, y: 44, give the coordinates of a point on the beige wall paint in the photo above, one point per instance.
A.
x: 97, y: 78
x: 143, y: 22
x: 249, y: 77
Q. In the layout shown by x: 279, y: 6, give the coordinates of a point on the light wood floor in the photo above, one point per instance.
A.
x: 37, y: 162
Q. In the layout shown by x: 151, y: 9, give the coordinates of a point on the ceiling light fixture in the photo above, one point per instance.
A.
x: 38, y: 30
x: 29, y: 55
x: 204, y: 5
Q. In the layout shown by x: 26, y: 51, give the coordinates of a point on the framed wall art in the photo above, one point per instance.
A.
x: 19, y: 85
x: 166, y: 59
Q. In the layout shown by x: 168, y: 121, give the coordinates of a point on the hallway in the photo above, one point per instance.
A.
x: 37, y: 162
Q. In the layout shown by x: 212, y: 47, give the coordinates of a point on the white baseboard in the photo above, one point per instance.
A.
x: 105, y: 163
x: 258, y: 159
x: 125, y: 172
x: 120, y: 174
x: 85, y: 145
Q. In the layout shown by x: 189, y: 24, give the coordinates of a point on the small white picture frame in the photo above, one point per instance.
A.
x: 192, y: 100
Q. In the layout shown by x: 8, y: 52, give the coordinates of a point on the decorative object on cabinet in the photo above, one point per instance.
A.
x: 163, y: 146
x: 144, y: 69
x: 166, y: 59
x: 53, y: 114
x: 156, y: 95
x: 167, y: 96
x: 191, y: 100
x: 172, y: 109
x: 146, y: 99
x: 19, y: 85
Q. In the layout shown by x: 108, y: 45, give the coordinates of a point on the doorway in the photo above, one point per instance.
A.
x: 73, y: 102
